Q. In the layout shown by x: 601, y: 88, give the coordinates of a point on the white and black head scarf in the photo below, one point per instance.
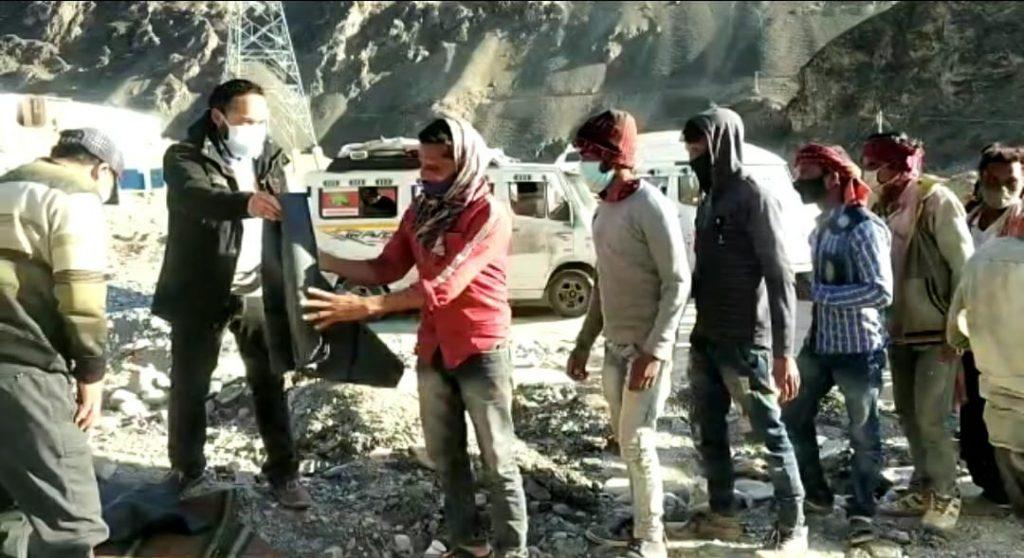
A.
x: 436, y: 214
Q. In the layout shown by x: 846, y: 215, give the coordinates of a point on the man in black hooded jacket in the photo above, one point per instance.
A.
x: 744, y: 290
x: 221, y: 186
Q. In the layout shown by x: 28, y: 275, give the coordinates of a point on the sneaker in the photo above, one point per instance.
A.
x: 618, y: 534
x: 710, y: 526
x: 861, y: 530
x: 943, y: 513
x: 819, y: 506
x: 645, y: 549
x: 911, y: 504
x: 787, y: 542
x: 291, y: 494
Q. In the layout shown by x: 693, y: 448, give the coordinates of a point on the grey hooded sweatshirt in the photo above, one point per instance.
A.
x: 742, y: 277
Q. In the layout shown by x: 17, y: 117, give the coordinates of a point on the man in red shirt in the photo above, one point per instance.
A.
x: 458, y: 237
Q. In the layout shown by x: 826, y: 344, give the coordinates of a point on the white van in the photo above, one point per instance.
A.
x: 358, y: 201
x: 665, y: 163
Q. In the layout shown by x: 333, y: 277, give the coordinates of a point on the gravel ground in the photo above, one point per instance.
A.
x: 363, y: 456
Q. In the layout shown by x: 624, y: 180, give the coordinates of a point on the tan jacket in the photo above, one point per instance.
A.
x: 52, y: 264
x: 987, y: 316
x: 940, y: 244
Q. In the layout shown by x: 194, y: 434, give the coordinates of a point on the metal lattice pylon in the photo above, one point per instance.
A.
x: 260, y: 48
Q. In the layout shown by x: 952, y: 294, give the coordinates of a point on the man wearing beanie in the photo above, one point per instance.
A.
x: 746, y: 302
x: 642, y: 286
x: 53, y: 336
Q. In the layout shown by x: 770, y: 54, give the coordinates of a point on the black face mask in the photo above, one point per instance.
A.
x: 702, y: 168
x: 811, y: 190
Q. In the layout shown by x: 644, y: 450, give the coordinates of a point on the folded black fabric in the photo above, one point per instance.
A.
x: 350, y: 352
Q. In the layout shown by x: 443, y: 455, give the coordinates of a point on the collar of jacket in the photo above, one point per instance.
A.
x: 53, y: 174
x: 200, y: 135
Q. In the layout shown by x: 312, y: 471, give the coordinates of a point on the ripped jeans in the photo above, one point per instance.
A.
x: 634, y: 422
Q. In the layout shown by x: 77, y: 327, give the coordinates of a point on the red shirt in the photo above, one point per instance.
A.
x: 466, y: 290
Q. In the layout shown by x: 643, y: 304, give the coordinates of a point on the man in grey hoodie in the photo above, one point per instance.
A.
x: 639, y: 297
x: 745, y: 295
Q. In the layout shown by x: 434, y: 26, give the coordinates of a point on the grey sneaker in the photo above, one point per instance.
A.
x: 645, y: 549
x: 618, y: 534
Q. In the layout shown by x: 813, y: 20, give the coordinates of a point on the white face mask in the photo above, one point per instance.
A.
x: 591, y: 173
x: 246, y: 140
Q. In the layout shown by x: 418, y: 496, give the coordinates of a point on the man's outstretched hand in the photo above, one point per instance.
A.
x: 324, y: 309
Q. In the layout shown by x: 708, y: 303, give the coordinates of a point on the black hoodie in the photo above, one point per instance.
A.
x: 742, y: 277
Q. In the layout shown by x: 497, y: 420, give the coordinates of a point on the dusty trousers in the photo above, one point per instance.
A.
x: 482, y: 387
x: 634, y: 418
x: 46, y: 466
x: 922, y: 387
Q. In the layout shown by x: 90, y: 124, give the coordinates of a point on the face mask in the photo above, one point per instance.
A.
x: 811, y: 190
x: 246, y: 140
x: 702, y: 168
x: 435, y: 189
x: 998, y: 197
x: 591, y: 173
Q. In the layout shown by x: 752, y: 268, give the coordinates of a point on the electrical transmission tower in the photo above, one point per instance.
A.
x: 260, y: 49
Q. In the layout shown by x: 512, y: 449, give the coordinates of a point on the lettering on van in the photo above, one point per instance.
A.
x: 367, y: 237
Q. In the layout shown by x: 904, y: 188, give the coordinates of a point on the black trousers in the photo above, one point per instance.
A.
x: 975, y: 448
x: 195, y: 347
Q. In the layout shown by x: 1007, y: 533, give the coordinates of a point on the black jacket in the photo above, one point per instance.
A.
x: 204, y: 233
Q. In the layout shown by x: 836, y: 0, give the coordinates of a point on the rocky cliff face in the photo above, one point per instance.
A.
x: 525, y: 72
x: 948, y: 72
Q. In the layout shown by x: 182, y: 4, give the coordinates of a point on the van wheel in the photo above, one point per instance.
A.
x: 569, y: 292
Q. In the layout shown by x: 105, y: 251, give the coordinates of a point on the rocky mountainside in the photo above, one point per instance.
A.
x: 525, y: 72
x: 948, y: 72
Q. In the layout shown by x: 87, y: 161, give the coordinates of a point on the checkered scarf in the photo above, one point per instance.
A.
x: 436, y: 214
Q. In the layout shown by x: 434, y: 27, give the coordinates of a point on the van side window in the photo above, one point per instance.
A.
x: 558, y: 204
x: 527, y: 199
x: 689, y: 188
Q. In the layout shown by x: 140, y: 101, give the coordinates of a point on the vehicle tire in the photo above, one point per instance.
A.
x: 569, y: 292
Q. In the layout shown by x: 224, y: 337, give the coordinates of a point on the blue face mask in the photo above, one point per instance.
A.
x: 431, y: 188
x: 591, y: 173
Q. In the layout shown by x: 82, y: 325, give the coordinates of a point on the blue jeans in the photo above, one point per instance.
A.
x: 859, y: 377
x: 712, y: 365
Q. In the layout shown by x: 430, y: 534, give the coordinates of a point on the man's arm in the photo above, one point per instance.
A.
x: 78, y: 259
x: 593, y: 323
x: 393, y: 263
x: 190, y: 191
x: 956, y: 324
x: 489, y: 234
x: 871, y: 245
x: 665, y: 243
x: 952, y: 234
x: 766, y: 233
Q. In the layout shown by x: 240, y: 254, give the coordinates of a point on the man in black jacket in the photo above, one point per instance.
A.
x: 221, y: 186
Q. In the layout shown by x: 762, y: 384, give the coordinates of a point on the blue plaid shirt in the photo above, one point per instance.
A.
x: 852, y: 281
